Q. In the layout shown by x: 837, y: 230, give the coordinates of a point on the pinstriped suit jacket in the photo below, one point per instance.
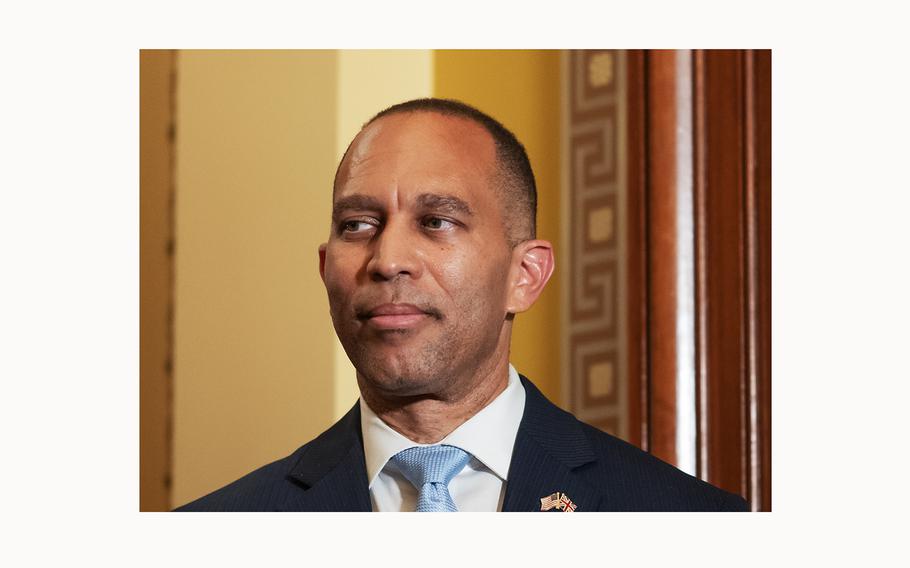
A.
x: 553, y: 452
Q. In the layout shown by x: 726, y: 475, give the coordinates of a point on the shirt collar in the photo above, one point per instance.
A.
x: 489, y: 435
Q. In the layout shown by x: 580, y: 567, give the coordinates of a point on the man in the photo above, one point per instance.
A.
x: 431, y: 254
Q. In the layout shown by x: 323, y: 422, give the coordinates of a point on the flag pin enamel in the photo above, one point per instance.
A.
x: 559, y: 501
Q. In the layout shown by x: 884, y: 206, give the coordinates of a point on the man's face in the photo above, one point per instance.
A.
x: 417, y: 266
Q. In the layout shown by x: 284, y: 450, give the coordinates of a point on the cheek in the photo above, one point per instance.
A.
x: 334, y: 292
x: 339, y: 279
x: 476, y: 282
x: 454, y: 269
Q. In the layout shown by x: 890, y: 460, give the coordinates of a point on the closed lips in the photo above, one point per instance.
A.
x: 394, y: 310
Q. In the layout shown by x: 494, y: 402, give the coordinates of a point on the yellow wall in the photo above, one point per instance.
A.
x: 255, y: 159
x: 521, y: 89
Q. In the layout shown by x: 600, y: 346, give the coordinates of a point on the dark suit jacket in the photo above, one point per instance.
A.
x: 554, y: 452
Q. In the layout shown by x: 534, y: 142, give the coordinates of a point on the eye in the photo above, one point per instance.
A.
x: 437, y: 223
x: 356, y: 226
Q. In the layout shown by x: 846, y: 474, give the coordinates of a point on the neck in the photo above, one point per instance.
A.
x: 429, y: 419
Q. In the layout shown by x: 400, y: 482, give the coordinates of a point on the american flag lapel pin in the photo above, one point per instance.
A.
x: 549, y: 502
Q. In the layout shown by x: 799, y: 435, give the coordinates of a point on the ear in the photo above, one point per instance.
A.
x: 322, y: 262
x: 532, y: 266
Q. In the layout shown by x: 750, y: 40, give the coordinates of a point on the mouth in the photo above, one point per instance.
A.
x: 395, y: 316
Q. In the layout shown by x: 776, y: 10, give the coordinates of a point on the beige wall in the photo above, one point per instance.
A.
x: 253, y: 361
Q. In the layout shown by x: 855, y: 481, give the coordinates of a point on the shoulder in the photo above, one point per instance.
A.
x: 626, y: 477
x: 260, y: 490
x: 633, y: 479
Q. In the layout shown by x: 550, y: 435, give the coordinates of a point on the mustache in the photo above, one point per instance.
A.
x: 365, y: 308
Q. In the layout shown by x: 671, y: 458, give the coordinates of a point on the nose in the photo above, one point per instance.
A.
x: 394, y: 254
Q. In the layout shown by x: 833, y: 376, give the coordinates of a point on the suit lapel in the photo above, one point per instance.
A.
x: 332, y: 471
x: 550, y: 445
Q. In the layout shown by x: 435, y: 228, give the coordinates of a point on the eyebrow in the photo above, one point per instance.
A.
x: 432, y: 201
x: 356, y: 201
x: 444, y: 203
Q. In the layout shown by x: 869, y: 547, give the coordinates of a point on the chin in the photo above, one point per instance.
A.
x: 400, y: 375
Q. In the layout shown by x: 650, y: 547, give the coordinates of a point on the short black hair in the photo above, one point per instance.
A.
x: 518, y: 190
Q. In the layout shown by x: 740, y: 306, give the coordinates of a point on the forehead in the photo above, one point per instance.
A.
x: 418, y: 150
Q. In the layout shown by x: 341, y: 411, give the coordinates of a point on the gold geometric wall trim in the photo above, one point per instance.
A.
x: 600, y: 69
x: 600, y: 379
x: 593, y: 264
x: 600, y: 224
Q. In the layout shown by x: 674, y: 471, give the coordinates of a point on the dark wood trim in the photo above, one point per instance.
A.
x: 731, y: 180
x: 637, y: 239
x: 157, y: 77
x: 753, y: 460
x: 699, y: 120
x: 758, y: 215
x: 733, y: 275
x: 720, y: 314
x: 662, y: 230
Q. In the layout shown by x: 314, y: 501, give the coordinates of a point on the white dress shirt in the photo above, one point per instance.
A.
x: 488, y: 436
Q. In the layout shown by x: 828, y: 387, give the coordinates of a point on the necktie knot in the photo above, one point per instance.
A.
x: 430, y: 469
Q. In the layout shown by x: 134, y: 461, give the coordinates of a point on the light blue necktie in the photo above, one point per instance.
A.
x: 430, y: 469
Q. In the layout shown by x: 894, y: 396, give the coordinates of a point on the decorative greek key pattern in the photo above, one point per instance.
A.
x: 594, y: 285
